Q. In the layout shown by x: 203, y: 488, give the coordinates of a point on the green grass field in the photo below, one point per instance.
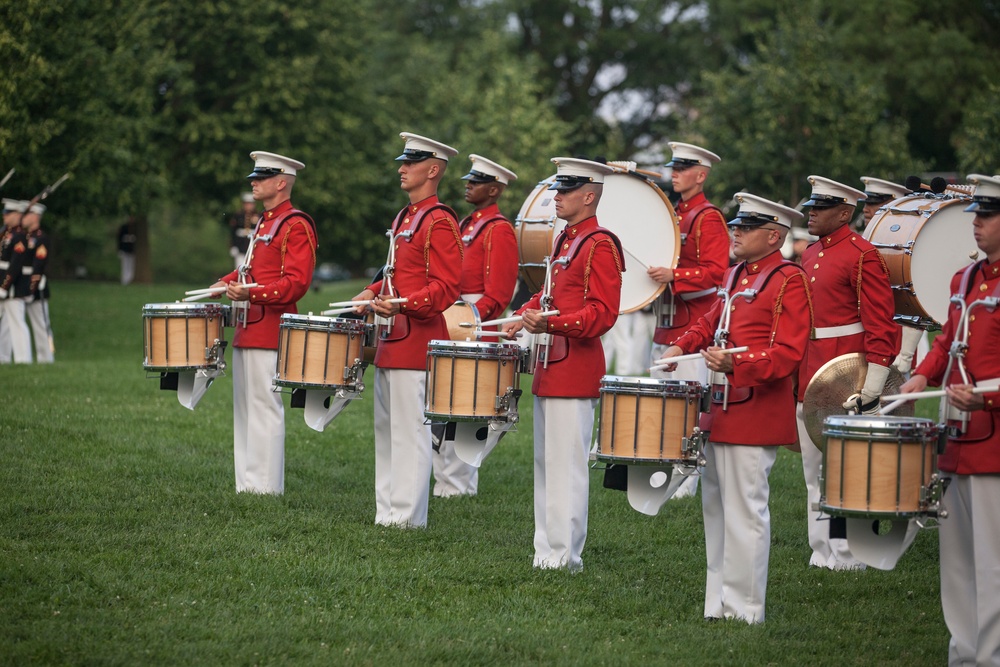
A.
x: 122, y: 542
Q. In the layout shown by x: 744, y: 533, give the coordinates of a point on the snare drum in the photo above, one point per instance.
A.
x: 322, y: 352
x: 878, y: 467
x: 472, y: 381
x: 646, y: 420
x: 632, y: 207
x: 183, y: 336
x: 917, y: 237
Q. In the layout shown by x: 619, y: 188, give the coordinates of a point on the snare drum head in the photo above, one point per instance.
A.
x: 939, y: 230
x: 632, y: 207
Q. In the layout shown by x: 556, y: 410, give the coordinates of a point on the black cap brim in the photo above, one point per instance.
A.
x: 985, y: 207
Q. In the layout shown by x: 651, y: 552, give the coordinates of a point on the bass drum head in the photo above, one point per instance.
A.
x: 633, y: 208
x: 938, y: 230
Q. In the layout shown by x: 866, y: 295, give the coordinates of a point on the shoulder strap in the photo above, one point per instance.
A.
x: 280, y: 220
x: 479, y: 226
x: 575, y: 246
x: 419, y: 217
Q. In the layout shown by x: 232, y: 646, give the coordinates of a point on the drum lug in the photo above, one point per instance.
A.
x: 694, y: 447
x: 507, y: 403
x: 355, y: 375
x: 930, y: 496
x: 217, y: 353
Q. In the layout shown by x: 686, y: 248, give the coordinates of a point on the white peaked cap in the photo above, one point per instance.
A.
x: 247, y: 197
x: 573, y: 172
x: 827, y: 193
x: 419, y: 148
x: 689, y: 155
x: 37, y: 208
x: 876, y: 188
x: 271, y: 164
x: 986, y: 198
x: 485, y: 171
x: 15, y: 205
x: 756, y: 211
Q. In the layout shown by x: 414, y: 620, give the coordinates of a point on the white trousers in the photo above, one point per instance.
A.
x: 734, y: 495
x: 402, y: 448
x: 970, y: 569
x: 258, y: 423
x: 694, y: 370
x: 628, y: 343
x: 15, y: 341
x: 452, y: 475
x: 38, y: 315
x: 834, y: 554
x: 563, y: 428
x: 128, y: 266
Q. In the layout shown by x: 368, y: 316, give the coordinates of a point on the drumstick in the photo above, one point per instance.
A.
x: 342, y: 304
x: 505, y: 320
x: 338, y: 311
x: 500, y: 334
x: 632, y: 255
x: 690, y: 357
x: 214, y: 290
x: 900, y: 399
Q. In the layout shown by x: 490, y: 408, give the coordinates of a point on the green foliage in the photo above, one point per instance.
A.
x: 978, y: 141
x: 791, y: 110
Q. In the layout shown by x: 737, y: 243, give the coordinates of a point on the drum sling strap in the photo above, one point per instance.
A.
x: 966, y: 284
x: 280, y: 220
x: 478, y: 227
x: 741, y: 394
x: 401, y: 328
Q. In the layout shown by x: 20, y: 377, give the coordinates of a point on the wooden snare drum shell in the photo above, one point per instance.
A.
x: 320, y: 353
x: 178, y: 338
x: 643, y: 421
x: 464, y: 380
x: 874, y: 472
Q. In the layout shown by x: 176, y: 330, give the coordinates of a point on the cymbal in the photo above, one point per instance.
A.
x: 833, y: 383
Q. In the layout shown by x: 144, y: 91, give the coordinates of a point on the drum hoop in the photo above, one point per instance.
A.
x: 184, y: 309
x: 320, y: 323
x: 652, y: 386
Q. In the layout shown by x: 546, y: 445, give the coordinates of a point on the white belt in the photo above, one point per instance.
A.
x: 471, y: 298
x: 26, y: 270
x: 688, y: 296
x: 837, y: 332
x: 4, y: 266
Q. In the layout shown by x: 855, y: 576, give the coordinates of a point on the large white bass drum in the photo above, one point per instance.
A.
x: 633, y: 207
x: 925, y: 240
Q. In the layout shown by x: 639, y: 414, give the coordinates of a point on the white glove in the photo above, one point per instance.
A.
x: 904, y: 360
x: 867, y: 401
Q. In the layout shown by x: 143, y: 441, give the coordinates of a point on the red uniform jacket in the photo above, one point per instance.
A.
x: 978, y: 450
x: 850, y: 283
x: 775, y: 326
x: 427, y: 270
x: 587, y: 294
x: 703, y: 260
x: 283, y: 271
x: 490, y: 264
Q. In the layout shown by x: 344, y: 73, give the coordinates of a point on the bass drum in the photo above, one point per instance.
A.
x: 924, y: 241
x: 632, y: 207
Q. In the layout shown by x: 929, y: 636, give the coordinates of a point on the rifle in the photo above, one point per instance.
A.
x: 49, y: 189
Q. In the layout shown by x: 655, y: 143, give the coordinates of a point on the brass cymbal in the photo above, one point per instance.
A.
x: 833, y: 383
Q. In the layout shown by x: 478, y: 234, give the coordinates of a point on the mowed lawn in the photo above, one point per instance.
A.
x: 122, y: 542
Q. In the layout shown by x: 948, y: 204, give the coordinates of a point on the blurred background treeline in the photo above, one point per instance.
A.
x: 154, y: 106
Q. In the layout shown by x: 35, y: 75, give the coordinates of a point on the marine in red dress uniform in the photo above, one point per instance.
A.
x: 489, y: 275
x: 692, y: 286
x: 775, y: 325
x: 587, y: 293
x: 425, y: 271
x: 970, y: 533
x: 282, y: 267
x: 854, y: 309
